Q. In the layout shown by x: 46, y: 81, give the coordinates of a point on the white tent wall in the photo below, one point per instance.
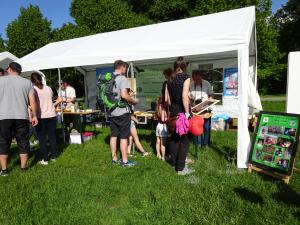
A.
x: 92, y: 90
x: 243, y: 132
x: 293, y: 82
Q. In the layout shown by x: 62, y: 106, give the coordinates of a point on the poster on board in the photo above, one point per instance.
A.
x: 275, y: 142
x: 230, y: 82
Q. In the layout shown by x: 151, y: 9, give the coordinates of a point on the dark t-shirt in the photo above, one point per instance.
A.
x: 163, y: 92
x: 175, y: 88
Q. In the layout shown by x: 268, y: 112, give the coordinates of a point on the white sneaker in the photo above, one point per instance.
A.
x: 185, y: 171
x: 43, y: 162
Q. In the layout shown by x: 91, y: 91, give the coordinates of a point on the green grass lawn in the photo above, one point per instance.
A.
x: 277, y: 106
x: 82, y: 187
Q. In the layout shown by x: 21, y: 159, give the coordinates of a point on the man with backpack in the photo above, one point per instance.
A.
x: 120, y: 117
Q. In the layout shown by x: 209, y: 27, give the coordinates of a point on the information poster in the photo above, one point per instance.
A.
x: 276, y: 140
x: 231, y: 82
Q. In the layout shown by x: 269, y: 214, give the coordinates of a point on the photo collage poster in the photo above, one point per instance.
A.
x: 276, y: 140
x: 231, y: 82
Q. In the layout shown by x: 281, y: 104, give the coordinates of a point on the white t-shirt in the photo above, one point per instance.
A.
x: 68, y: 94
x: 201, y: 91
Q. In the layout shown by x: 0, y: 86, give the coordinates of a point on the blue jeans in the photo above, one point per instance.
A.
x: 204, y: 139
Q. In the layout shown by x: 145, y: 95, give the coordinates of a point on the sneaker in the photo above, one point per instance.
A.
x: 185, y: 171
x: 43, y: 162
x: 145, y: 154
x: 129, y: 163
x: 158, y: 156
x: 4, y: 173
x: 53, y: 160
x: 114, y: 162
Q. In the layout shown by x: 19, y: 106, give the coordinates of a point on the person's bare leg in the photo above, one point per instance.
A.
x: 124, y: 146
x: 3, y: 161
x: 129, y: 145
x: 158, y: 145
x: 136, y: 139
x: 23, y: 159
x: 162, y: 148
x: 113, y: 147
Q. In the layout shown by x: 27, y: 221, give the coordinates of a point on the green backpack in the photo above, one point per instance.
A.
x: 106, y: 85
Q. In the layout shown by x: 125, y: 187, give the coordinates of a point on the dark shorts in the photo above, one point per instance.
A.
x: 17, y: 128
x: 120, y: 126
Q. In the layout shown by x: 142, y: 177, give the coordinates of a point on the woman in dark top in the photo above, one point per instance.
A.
x: 178, y: 97
x: 167, y: 74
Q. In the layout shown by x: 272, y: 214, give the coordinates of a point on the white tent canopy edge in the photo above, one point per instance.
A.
x: 230, y: 31
x: 7, y: 57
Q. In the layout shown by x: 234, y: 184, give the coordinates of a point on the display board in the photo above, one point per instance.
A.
x: 231, y: 82
x: 275, y: 142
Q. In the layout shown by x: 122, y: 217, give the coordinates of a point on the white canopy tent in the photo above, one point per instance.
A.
x: 293, y: 82
x: 220, y: 36
x: 6, y: 58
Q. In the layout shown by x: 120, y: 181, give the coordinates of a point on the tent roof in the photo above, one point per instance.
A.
x: 6, y: 58
x: 219, y: 32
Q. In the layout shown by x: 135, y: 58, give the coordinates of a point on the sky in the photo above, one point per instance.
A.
x: 55, y: 10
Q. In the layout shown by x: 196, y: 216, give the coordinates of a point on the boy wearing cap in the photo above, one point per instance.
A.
x: 16, y: 94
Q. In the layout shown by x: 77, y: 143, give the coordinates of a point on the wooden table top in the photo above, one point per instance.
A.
x: 79, y: 113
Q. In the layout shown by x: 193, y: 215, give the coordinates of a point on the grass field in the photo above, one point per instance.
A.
x: 82, y: 187
x: 278, y: 106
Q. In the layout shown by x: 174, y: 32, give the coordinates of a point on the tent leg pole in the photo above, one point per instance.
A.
x: 61, y: 107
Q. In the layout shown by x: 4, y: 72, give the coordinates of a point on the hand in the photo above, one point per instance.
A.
x: 187, y: 115
x: 34, y: 121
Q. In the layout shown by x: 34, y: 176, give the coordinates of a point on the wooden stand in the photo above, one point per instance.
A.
x: 284, y: 178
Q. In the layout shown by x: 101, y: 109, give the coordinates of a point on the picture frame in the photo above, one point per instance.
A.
x: 275, y: 142
x: 201, y: 107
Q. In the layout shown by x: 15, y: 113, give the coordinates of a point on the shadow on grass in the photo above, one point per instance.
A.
x: 228, y: 153
x: 249, y: 196
x: 287, y: 196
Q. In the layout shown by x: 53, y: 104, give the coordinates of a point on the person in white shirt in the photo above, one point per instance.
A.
x: 200, y: 91
x: 68, y: 94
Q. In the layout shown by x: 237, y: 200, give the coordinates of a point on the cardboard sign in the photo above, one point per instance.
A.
x: 275, y: 142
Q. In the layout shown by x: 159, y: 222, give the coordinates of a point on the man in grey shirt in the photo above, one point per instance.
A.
x: 120, y: 117
x: 16, y: 95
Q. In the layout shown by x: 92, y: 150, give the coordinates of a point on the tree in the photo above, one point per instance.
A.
x: 2, y: 46
x: 105, y: 15
x: 69, y: 31
x: 288, y: 20
x: 28, y: 32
